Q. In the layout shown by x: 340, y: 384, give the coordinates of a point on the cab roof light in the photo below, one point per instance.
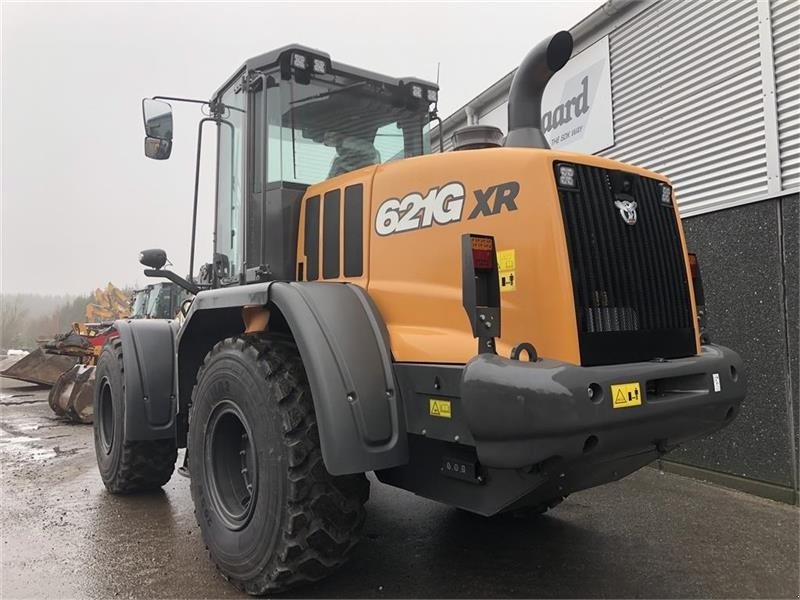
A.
x: 299, y: 61
x: 319, y: 66
x: 309, y: 63
x: 416, y: 91
x: 432, y: 95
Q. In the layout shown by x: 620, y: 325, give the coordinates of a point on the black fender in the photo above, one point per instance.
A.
x: 149, y: 353
x: 345, y: 350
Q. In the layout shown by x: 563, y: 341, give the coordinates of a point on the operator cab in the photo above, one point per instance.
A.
x: 285, y: 120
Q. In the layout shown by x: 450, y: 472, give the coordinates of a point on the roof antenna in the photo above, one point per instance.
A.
x: 435, y: 116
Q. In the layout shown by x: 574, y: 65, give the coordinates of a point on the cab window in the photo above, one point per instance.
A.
x: 230, y: 173
x: 336, y: 125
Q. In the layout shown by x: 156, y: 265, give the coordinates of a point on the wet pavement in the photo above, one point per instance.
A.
x: 650, y: 535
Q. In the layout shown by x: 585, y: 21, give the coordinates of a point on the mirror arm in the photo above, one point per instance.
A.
x: 213, y: 106
x: 174, y: 278
x: 176, y: 99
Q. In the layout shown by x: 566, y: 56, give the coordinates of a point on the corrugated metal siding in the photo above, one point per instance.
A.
x: 786, y: 51
x: 688, y: 102
x: 447, y: 143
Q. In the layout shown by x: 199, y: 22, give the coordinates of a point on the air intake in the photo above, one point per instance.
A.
x: 474, y: 137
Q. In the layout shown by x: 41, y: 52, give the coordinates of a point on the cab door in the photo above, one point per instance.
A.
x: 229, y: 218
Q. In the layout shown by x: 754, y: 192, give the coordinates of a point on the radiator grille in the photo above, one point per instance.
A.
x: 629, y: 280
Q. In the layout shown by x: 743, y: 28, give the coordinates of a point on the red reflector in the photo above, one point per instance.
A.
x: 482, y: 250
x: 694, y: 266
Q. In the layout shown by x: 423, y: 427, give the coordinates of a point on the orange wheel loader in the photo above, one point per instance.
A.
x: 493, y: 328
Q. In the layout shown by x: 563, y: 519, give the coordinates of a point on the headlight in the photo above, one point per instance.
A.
x: 432, y: 96
x: 567, y: 176
x: 416, y: 91
x: 666, y: 195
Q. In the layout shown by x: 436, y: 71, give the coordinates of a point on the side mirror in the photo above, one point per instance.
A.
x: 157, y: 117
x: 155, y: 258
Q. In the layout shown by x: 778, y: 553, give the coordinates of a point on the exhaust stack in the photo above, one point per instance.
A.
x: 527, y: 88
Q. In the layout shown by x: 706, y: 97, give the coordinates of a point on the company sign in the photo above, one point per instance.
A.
x: 576, y: 107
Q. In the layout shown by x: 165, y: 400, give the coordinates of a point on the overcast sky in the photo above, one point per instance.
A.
x: 79, y: 199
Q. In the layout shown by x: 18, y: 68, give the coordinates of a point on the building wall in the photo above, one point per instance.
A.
x: 749, y: 261
x: 707, y: 94
x: 703, y: 92
x: 786, y: 63
x: 686, y: 81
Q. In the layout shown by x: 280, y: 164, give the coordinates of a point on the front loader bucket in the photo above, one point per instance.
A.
x: 71, y: 396
x: 40, y: 367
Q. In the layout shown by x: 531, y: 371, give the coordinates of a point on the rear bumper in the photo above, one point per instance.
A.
x: 521, y: 414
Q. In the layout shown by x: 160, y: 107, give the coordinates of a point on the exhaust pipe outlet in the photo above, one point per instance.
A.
x: 527, y: 88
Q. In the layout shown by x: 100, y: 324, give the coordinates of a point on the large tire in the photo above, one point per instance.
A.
x: 125, y: 466
x: 271, y: 515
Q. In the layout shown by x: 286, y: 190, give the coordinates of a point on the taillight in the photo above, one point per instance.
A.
x: 699, y: 297
x: 694, y: 266
x: 481, y: 288
x: 482, y: 252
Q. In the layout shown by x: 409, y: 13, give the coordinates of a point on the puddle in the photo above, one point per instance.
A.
x: 25, y: 446
x: 28, y: 427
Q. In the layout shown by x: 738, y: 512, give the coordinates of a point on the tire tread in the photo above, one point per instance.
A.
x: 324, y: 513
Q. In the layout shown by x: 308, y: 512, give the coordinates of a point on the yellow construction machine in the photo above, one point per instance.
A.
x: 494, y: 328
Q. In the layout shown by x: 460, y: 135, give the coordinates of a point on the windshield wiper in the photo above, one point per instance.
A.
x: 330, y: 92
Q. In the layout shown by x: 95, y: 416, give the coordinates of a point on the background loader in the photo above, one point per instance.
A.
x: 494, y: 328
x: 67, y: 362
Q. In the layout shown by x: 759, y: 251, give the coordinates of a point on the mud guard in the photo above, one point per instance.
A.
x: 148, y: 349
x: 345, y: 350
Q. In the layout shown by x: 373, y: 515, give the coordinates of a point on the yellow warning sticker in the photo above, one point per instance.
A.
x: 625, y: 395
x: 440, y: 408
x: 507, y: 270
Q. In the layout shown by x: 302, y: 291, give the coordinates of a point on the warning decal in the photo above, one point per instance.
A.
x: 625, y: 395
x: 507, y: 270
x: 439, y: 408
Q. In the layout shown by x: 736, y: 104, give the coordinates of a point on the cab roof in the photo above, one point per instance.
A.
x: 271, y: 58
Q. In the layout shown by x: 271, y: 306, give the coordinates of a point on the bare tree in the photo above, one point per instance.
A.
x: 13, y: 317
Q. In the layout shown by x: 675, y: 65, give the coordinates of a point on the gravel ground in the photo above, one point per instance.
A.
x: 650, y: 535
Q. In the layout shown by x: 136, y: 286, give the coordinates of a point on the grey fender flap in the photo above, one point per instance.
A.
x: 345, y: 350
x: 346, y: 354
x: 148, y: 351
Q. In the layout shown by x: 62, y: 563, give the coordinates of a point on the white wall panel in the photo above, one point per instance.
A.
x: 686, y: 82
x: 786, y: 57
x: 706, y: 92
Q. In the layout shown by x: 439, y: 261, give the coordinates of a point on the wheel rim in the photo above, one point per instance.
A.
x: 106, y: 416
x: 231, y: 465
